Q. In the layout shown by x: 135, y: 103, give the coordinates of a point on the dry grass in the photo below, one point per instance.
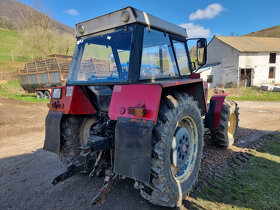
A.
x: 247, y: 94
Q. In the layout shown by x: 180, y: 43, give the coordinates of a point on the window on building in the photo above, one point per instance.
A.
x: 271, y: 72
x: 209, y: 78
x: 272, y: 58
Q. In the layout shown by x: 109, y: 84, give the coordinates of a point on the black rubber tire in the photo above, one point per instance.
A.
x: 47, y: 95
x: 163, y: 189
x: 71, y: 130
x: 221, y: 137
x: 39, y: 94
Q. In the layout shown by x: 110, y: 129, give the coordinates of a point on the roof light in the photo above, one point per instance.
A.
x: 81, y: 29
x: 125, y: 16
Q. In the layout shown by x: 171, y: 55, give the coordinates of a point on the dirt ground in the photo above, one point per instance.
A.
x: 26, y: 171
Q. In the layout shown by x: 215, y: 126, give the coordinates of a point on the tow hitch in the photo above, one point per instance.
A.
x: 109, y: 181
x: 74, y: 169
x: 92, y: 155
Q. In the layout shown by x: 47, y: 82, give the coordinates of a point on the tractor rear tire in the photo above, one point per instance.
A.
x: 229, y: 118
x: 75, y: 129
x: 167, y: 189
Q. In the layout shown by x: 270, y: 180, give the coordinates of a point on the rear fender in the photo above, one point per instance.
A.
x: 73, y: 100
x: 212, y: 118
x: 196, y: 89
x: 141, y: 95
x: 133, y: 134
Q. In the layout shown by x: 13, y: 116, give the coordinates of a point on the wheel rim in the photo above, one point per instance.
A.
x: 184, y: 149
x: 231, y: 125
x: 47, y: 95
x: 87, y: 130
x: 39, y: 95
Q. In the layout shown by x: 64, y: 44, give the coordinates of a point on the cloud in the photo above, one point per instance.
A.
x: 209, y: 12
x: 72, y: 12
x: 195, y: 30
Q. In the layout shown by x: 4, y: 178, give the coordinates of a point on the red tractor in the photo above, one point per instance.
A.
x: 133, y: 106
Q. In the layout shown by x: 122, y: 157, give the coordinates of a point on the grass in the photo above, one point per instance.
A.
x: 255, y: 185
x: 250, y: 94
x: 13, y: 90
x: 9, y: 40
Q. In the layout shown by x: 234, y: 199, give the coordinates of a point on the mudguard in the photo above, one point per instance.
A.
x: 73, y: 100
x: 212, y: 118
x: 143, y: 95
x: 52, y: 137
x: 133, y: 148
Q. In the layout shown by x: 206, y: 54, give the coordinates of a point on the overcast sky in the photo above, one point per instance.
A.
x: 201, y: 18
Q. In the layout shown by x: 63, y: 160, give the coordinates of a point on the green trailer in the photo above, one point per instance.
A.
x: 40, y: 76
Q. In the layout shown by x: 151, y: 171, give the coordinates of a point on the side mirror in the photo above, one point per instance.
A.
x: 193, y: 65
x: 201, y: 47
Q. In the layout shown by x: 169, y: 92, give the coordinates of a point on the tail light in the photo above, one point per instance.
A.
x: 56, y: 93
x: 137, y: 111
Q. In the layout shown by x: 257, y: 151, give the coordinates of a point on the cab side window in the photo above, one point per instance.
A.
x: 182, y: 57
x: 157, y: 56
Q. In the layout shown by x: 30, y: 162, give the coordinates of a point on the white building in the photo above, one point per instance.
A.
x: 240, y: 61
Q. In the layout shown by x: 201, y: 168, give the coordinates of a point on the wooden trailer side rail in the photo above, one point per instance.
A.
x: 52, y: 64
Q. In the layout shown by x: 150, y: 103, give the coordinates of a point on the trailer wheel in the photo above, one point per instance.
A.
x: 229, y: 118
x: 75, y: 131
x: 177, y: 151
x: 47, y: 95
x: 39, y: 94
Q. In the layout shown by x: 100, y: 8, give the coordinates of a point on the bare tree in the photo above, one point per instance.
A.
x: 39, y: 37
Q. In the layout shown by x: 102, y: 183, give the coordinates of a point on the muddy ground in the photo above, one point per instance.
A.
x: 26, y: 171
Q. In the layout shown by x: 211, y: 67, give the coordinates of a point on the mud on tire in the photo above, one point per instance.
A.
x: 72, y: 136
x: 164, y: 189
x: 229, y: 118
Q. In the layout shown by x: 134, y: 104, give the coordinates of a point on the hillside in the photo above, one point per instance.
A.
x: 18, y: 42
x: 267, y: 32
x: 8, y: 9
x: 8, y: 44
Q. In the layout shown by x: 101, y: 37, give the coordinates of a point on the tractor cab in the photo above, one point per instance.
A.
x: 130, y: 46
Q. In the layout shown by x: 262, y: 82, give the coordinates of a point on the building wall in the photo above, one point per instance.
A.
x: 277, y: 73
x: 227, y: 71
x: 214, y: 70
x: 259, y: 62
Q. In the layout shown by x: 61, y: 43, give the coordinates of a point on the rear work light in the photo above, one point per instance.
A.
x: 56, y: 94
x: 137, y: 111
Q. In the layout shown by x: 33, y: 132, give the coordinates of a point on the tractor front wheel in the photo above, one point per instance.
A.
x: 225, y: 134
x: 177, y: 150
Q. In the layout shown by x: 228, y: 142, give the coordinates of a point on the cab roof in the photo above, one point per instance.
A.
x: 132, y: 15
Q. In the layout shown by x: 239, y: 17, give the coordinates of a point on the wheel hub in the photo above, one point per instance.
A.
x: 87, y: 130
x: 231, y: 125
x: 180, y: 147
